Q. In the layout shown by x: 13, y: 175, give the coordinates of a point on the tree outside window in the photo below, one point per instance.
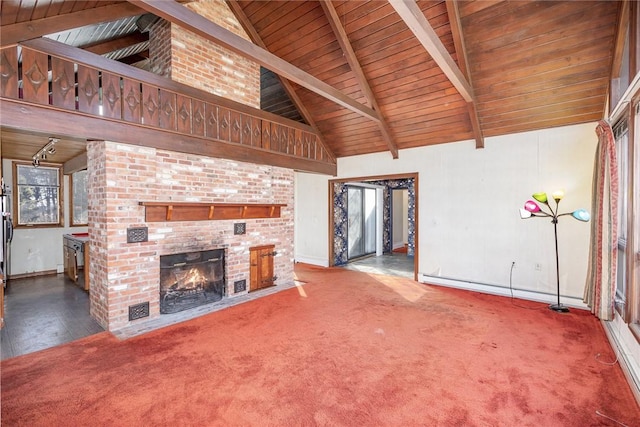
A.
x: 79, y: 202
x: 38, y: 190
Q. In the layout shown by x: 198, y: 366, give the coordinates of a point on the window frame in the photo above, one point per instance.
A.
x: 632, y: 309
x: 622, y: 133
x: 16, y: 204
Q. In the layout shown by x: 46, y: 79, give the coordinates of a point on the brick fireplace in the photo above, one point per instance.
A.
x: 126, y: 274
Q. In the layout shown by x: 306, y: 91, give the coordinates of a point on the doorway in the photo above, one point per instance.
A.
x: 342, y: 251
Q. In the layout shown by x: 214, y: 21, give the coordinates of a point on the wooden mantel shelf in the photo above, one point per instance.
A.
x: 185, y: 211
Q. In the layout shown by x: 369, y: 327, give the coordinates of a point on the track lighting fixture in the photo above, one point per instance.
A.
x: 49, y: 149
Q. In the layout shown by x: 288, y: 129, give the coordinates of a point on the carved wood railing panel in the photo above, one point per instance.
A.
x: 111, y: 96
x: 97, y: 91
x: 35, y: 77
x: 9, y: 73
x: 150, y: 106
x: 167, y: 110
x: 184, y: 114
x: 88, y: 90
x: 198, y: 117
x: 131, y: 101
x: 63, y: 89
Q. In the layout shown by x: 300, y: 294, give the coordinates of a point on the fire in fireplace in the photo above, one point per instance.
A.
x: 191, y: 279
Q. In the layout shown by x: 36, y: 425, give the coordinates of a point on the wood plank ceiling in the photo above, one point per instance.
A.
x: 527, y: 64
x: 532, y: 64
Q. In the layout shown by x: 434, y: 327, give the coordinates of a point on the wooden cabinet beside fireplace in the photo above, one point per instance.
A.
x: 261, y: 271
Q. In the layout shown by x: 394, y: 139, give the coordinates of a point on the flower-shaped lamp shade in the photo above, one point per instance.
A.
x: 541, y: 197
x: 532, y: 206
x: 558, y: 195
x: 581, y: 215
x: 524, y: 214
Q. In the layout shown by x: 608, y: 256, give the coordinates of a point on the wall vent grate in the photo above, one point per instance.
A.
x: 138, y: 311
x: 239, y: 228
x: 239, y: 286
x: 137, y: 234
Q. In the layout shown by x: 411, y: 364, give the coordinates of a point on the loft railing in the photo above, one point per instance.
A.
x: 67, y: 78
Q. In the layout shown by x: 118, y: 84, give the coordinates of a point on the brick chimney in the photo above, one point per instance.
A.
x: 125, y: 275
x: 190, y: 59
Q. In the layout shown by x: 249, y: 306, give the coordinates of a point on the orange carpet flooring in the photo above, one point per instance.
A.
x: 343, y: 349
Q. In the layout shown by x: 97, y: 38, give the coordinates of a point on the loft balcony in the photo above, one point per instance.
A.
x: 64, y: 91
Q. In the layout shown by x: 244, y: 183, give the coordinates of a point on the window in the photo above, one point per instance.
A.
x: 79, y: 201
x: 621, y: 132
x: 361, y: 207
x: 634, y: 269
x: 626, y: 73
x: 621, y: 81
x: 38, y: 194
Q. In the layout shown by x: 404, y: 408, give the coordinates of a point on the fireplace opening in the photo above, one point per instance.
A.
x: 191, y: 279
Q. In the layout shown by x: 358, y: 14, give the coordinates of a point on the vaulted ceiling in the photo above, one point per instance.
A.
x: 380, y: 75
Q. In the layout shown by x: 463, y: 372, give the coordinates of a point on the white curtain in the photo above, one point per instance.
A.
x: 600, y: 286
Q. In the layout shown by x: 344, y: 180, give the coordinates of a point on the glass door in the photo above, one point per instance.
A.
x: 361, y: 234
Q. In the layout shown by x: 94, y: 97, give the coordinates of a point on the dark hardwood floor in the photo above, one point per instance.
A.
x: 44, y: 312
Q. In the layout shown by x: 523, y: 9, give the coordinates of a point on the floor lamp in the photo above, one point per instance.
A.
x: 533, y: 209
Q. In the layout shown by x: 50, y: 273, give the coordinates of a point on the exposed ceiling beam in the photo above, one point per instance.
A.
x: 181, y: 15
x: 106, y: 46
x: 418, y: 24
x: 253, y: 34
x: 463, y: 62
x: 14, y: 33
x: 75, y: 164
x: 354, y: 63
x: 135, y: 58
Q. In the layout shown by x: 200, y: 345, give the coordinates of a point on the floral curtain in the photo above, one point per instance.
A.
x: 603, y: 248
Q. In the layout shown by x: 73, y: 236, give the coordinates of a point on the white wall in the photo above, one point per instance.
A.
x: 311, y: 238
x: 35, y: 250
x: 469, y: 226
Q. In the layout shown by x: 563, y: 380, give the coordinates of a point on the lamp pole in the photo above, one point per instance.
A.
x: 557, y: 307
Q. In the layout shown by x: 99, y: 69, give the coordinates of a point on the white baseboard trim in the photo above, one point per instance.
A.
x: 632, y: 375
x: 502, y: 291
x: 313, y: 261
